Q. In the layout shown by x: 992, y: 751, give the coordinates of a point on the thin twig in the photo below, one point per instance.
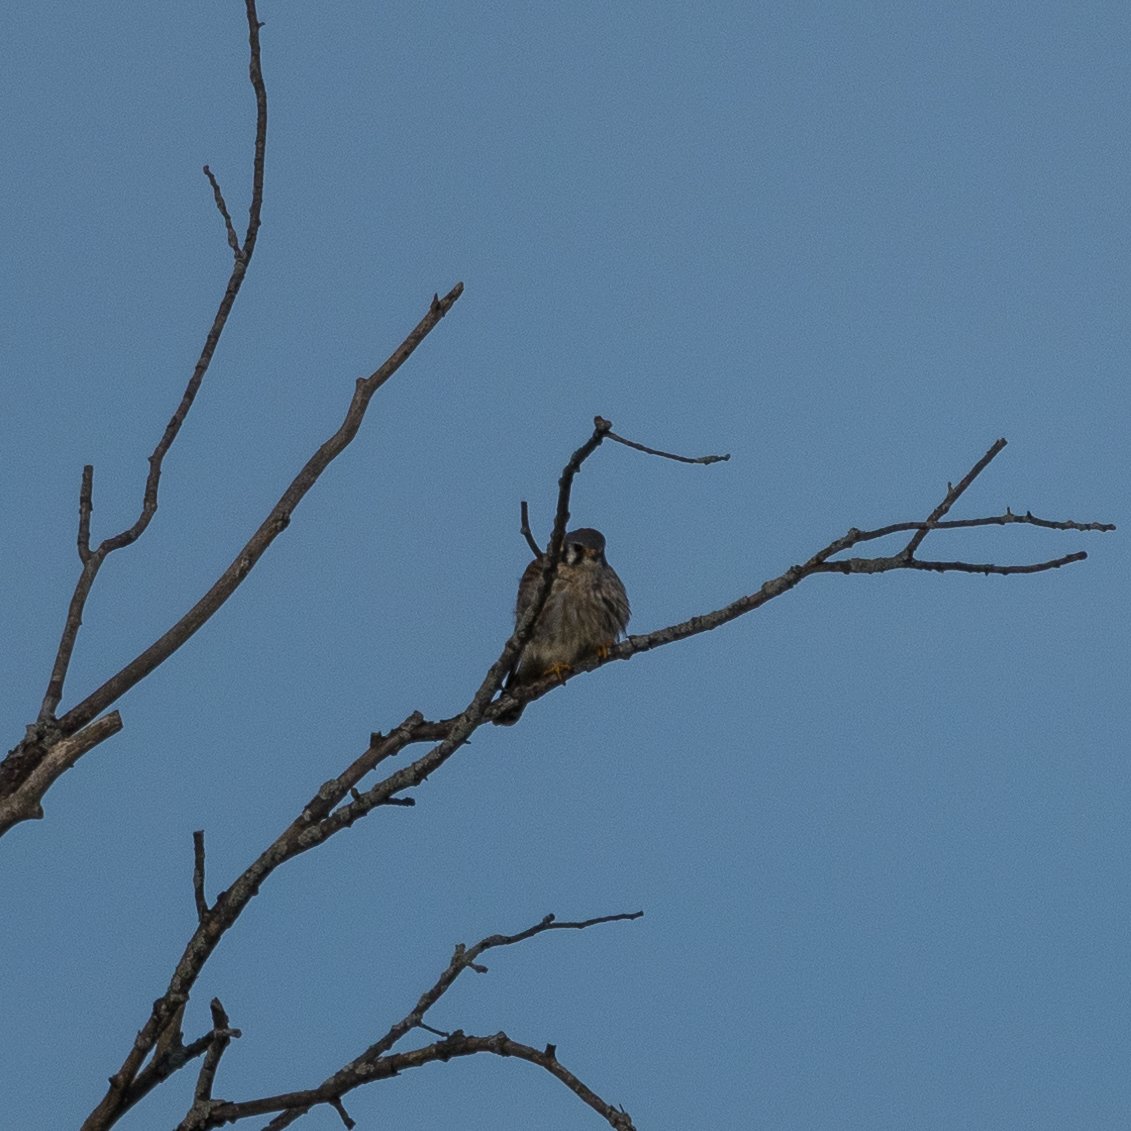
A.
x: 233, y: 239
x: 854, y: 537
x: 198, y: 875
x: 525, y: 531
x: 953, y: 494
x: 222, y: 1034
x: 86, y: 505
x: 199, y: 1115
x: 466, y: 958
x: 339, y: 1107
x: 972, y: 567
x: 666, y: 455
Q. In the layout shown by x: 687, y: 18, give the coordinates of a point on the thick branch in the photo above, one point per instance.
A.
x: 23, y: 802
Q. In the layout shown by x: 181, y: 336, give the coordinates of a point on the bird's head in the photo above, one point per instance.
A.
x: 584, y: 545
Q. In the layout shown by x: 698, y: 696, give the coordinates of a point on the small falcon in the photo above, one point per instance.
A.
x: 585, y: 612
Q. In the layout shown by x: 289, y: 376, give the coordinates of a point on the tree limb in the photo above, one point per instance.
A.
x: 92, y: 560
x: 375, y: 1063
x: 44, y: 765
x: 319, y: 820
x: 328, y: 813
x: 458, y: 1044
x: 198, y: 875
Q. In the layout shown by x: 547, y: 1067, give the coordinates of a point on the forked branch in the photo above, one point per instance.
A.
x: 92, y: 559
x: 379, y: 1062
x: 339, y: 803
x: 29, y: 770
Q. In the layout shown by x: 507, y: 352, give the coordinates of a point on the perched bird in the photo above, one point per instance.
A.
x: 585, y: 612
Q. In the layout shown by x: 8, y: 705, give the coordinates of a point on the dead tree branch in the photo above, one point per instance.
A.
x: 524, y: 529
x: 667, y: 455
x: 17, y: 796
x: 221, y: 204
x: 198, y: 875
x: 456, y: 1045
x: 37, y: 764
x: 29, y: 770
x: 328, y: 812
x: 824, y: 561
x: 322, y: 817
x: 92, y: 560
x: 606, y: 433
x: 198, y: 1116
x: 378, y: 1062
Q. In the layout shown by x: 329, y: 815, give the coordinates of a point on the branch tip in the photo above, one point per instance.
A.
x: 198, y: 876
x: 668, y: 455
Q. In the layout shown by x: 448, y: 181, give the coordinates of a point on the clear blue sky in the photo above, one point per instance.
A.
x: 879, y: 830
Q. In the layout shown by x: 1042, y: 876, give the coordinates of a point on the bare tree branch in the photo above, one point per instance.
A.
x: 198, y: 875
x: 328, y: 812
x: 339, y: 1107
x: 524, y: 529
x: 317, y: 821
x: 273, y: 525
x: 953, y: 493
x: 608, y: 434
x: 218, y: 196
x: 166, y: 1062
x: 456, y: 1045
x: 21, y: 800
x: 53, y: 744
x: 86, y: 505
x: 92, y: 561
x: 821, y: 562
x: 222, y: 1034
x: 199, y: 1114
x: 28, y: 799
x: 854, y: 537
x: 36, y: 764
x: 375, y: 1064
x: 667, y: 455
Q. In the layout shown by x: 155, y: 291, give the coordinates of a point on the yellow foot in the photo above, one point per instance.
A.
x: 603, y: 650
x: 559, y: 671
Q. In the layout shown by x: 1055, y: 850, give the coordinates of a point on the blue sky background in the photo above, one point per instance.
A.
x: 879, y: 829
